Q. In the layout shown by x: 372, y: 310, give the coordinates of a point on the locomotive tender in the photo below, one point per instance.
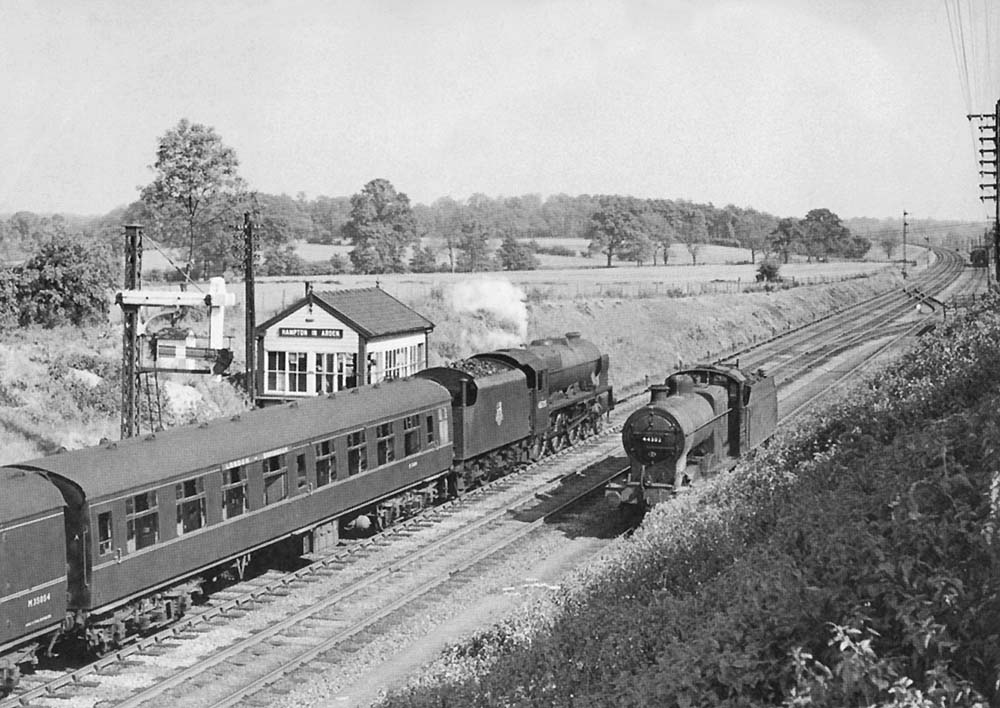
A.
x: 100, y: 543
x: 701, y: 420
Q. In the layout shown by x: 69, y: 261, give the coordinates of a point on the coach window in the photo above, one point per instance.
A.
x: 411, y: 435
x: 430, y: 430
x: 104, y: 542
x: 190, y: 505
x: 142, y: 521
x: 275, y: 483
x: 443, y: 424
x: 234, y: 492
x: 385, y: 441
x: 326, y: 463
x: 301, y: 472
x: 357, y: 455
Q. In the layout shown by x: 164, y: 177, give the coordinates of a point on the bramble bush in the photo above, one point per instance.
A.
x: 852, y: 563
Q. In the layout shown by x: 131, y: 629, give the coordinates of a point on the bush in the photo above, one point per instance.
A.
x: 66, y: 282
x: 555, y: 250
x: 769, y: 271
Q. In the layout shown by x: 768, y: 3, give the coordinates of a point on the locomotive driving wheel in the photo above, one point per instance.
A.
x: 559, y: 433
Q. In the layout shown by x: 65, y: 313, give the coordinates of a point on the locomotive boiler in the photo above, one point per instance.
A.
x: 515, y: 404
x: 699, y: 421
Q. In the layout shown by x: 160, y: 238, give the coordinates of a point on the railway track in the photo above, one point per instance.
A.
x: 314, y: 619
x: 398, y: 566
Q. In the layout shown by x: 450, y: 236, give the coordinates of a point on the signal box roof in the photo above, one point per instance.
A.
x: 371, y: 312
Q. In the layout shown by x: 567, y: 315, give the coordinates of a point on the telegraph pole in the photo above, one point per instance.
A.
x: 130, y: 339
x: 249, y: 308
x: 904, y: 243
x: 988, y: 160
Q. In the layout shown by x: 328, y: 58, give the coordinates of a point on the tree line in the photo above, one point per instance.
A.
x: 195, y: 203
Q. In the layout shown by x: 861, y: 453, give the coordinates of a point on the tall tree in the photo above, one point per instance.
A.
x: 695, y: 232
x: 659, y: 230
x: 381, y: 227
x: 824, y: 235
x: 614, y: 226
x: 448, y: 225
x: 474, y: 247
x: 196, y: 195
x: 785, y: 237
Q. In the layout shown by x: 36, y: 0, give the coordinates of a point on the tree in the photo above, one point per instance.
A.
x: 888, y: 243
x: 448, y: 225
x: 660, y: 232
x: 9, y: 313
x: 196, y: 195
x: 329, y: 216
x: 474, y: 247
x: 282, y: 260
x: 824, y: 235
x: 381, y: 227
x: 66, y: 281
x: 613, y: 227
x: 785, y: 236
x: 695, y: 232
x: 514, y: 255
x: 424, y: 260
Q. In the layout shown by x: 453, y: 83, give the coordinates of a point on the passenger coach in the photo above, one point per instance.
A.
x: 143, y: 513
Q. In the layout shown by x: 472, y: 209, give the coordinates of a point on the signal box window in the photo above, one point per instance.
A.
x: 276, y: 371
x: 234, y: 492
x: 275, y: 482
x: 142, y: 521
x: 190, y: 505
x: 411, y: 435
x: 286, y: 371
x: 326, y: 463
x: 298, y: 374
x: 104, y: 541
x: 385, y: 441
x: 357, y: 455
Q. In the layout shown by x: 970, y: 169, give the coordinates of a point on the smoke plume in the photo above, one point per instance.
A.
x: 501, y: 309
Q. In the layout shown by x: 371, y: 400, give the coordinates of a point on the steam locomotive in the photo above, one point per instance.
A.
x: 102, y: 543
x: 979, y: 257
x: 699, y: 421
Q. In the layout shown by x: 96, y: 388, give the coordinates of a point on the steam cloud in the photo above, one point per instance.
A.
x: 496, y: 299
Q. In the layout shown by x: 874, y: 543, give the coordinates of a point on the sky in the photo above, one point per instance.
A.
x: 781, y: 105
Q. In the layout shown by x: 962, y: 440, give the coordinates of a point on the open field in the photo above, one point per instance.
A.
x: 679, y: 256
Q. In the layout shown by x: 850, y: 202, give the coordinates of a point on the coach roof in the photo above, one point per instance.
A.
x: 136, y: 463
x: 25, y: 494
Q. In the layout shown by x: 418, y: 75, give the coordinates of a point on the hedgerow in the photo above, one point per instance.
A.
x: 852, y: 563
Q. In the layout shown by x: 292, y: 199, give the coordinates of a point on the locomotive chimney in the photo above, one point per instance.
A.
x: 658, y: 393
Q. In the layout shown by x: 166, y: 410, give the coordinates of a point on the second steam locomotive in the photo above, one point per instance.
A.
x: 699, y: 421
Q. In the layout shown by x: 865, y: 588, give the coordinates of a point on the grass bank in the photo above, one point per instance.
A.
x: 853, y: 563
